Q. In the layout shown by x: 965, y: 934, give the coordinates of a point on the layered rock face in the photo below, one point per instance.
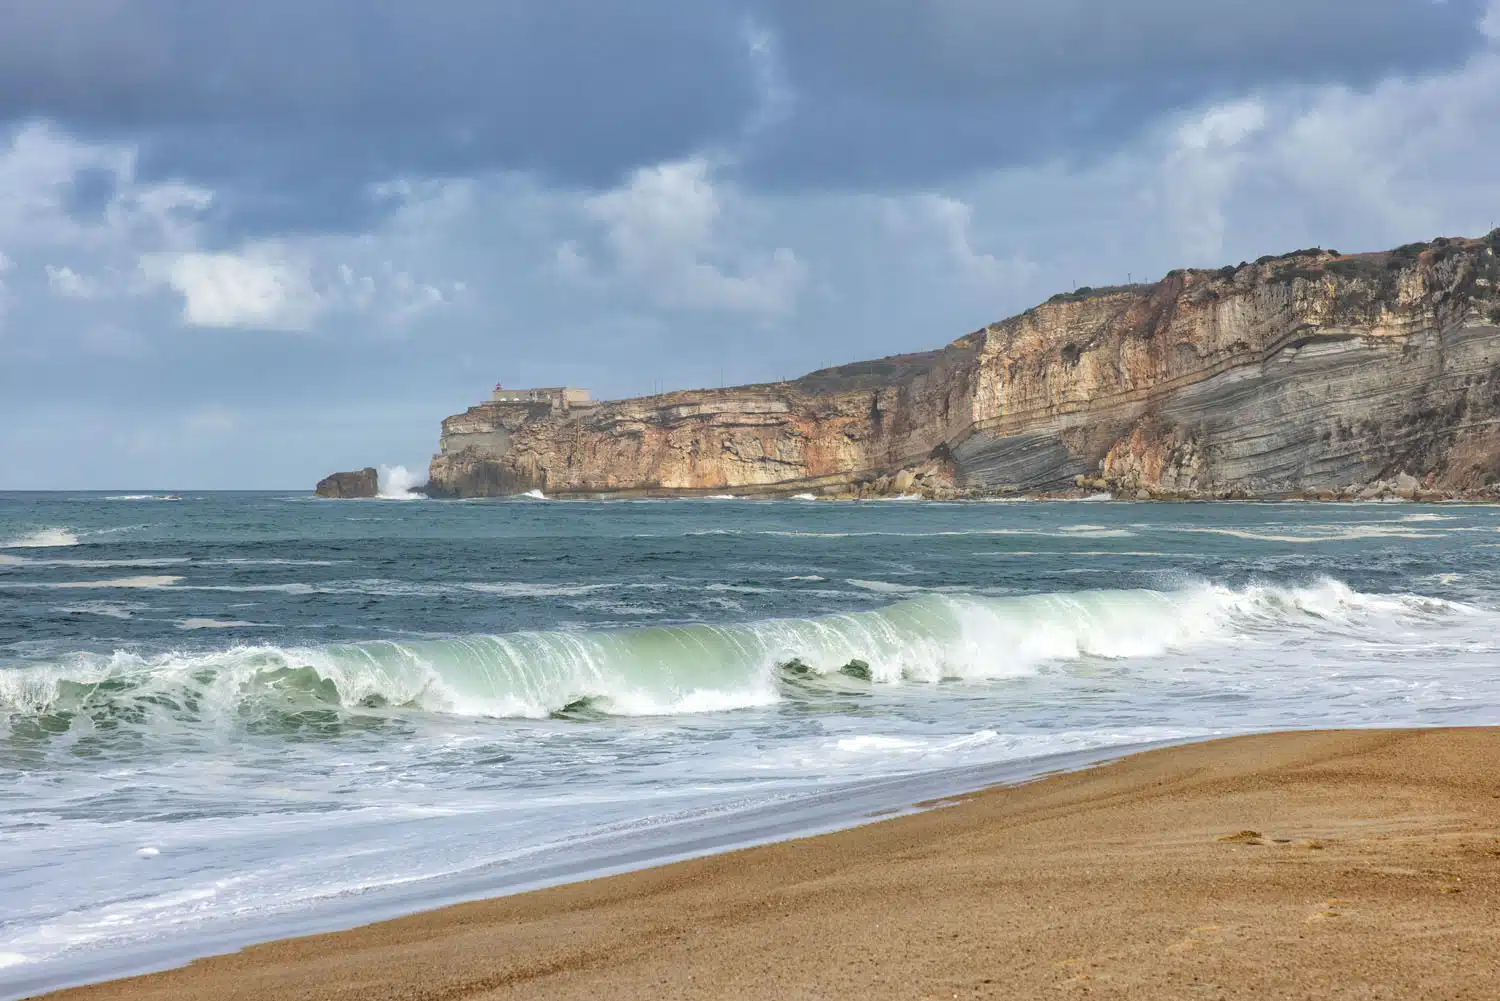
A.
x: 363, y: 483
x: 1313, y: 373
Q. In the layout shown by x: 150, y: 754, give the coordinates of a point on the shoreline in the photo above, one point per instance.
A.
x: 1314, y: 863
x: 838, y: 807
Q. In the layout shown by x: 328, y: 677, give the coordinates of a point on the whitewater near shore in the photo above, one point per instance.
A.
x: 230, y: 718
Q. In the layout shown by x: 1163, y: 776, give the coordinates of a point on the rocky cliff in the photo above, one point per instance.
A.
x: 1314, y: 373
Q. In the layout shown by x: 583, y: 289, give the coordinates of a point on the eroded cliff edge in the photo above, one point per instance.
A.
x: 1309, y: 374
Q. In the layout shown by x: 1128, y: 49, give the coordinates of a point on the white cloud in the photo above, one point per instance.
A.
x: 947, y: 224
x: 1489, y: 25
x: 273, y: 286
x: 1390, y: 163
x: 1405, y: 151
x: 146, y: 238
x: 38, y: 167
x: 237, y: 290
x: 70, y: 284
x: 1204, y: 162
x: 662, y: 233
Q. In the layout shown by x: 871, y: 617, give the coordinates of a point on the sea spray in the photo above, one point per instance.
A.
x: 399, y: 483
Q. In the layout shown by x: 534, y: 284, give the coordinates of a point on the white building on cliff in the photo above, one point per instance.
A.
x: 561, y: 398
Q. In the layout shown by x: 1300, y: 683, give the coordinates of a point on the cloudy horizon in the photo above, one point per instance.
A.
x: 241, y: 247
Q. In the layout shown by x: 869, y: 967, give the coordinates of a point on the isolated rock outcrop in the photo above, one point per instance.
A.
x: 1311, y: 374
x: 364, y: 483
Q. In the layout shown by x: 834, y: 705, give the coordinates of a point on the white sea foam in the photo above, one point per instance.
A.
x: 1095, y: 532
x: 191, y: 624
x: 1066, y: 532
x: 1075, y: 554
x: 398, y: 483
x: 387, y: 588
x: 147, y: 582
x: 810, y: 535
x: 866, y: 745
x: 804, y: 497
x: 882, y: 587
x: 34, y: 561
x: 615, y: 607
x: 236, y: 561
x: 1322, y: 533
x: 42, y: 538
x: 527, y: 589
x: 290, y: 587
x: 144, y: 497
x: 534, y: 495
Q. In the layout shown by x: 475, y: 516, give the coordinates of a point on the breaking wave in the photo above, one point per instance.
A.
x: 680, y: 669
x: 41, y: 538
x: 399, y: 483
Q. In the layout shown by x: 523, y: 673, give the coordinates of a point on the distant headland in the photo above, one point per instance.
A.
x: 1313, y: 374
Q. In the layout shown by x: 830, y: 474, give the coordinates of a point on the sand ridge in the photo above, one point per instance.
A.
x: 1330, y: 865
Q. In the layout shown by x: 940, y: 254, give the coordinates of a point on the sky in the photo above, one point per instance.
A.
x: 243, y: 245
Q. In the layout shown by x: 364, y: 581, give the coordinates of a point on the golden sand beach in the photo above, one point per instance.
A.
x: 1326, y: 865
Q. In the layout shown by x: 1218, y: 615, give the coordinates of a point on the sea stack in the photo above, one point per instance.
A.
x: 344, y: 486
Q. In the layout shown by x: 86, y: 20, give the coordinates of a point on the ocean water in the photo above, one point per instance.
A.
x: 229, y: 717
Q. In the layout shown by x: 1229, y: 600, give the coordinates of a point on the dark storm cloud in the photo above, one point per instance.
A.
x: 288, y: 107
x: 966, y: 49
x: 302, y: 97
x: 913, y: 90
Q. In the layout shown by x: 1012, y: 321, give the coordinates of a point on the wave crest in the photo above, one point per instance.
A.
x: 42, y: 538
x: 689, y: 668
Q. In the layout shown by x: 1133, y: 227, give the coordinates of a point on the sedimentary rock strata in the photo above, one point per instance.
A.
x: 1310, y: 374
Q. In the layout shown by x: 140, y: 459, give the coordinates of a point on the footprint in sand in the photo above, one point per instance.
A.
x: 1329, y: 911
x: 1202, y: 935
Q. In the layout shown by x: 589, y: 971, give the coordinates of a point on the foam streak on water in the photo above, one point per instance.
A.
x: 239, y: 716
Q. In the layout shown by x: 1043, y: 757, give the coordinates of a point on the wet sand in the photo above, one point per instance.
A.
x: 1351, y: 864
